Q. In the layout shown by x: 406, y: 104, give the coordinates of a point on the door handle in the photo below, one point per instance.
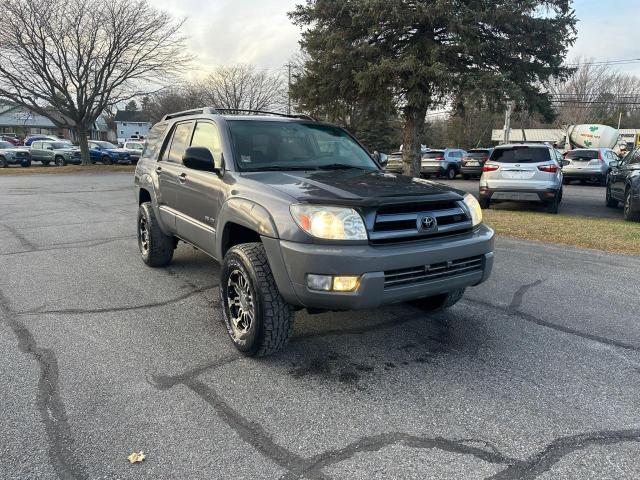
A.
x: 182, y: 177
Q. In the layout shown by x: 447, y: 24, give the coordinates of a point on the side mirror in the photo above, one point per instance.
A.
x: 381, y: 158
x: 565, y: 163
x: 199, y: 158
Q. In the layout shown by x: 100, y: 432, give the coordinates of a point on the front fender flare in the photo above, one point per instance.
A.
x: 246, y: 213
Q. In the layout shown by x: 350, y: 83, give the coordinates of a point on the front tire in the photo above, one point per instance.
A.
x: 156, y: 248
x: 106, y: 160
x: 60, y: 161
x: 440, y: 302
x: 630, y: 214
x: 3, y: 162
x: 258, y: 320
x: 26, y: 164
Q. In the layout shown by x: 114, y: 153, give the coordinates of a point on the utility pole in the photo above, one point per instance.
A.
x: 507, y: 122
x: 289, y: 66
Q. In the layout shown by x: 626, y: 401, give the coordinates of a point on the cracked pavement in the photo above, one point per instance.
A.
x: 535, y: 374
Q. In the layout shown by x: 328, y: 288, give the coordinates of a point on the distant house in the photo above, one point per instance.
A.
x: 24, y: 122
x: 132, y: 124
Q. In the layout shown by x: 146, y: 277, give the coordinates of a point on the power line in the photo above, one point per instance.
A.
x: 605, y: 62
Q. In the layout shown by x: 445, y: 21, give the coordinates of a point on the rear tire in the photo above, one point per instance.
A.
x: 3, y: 162
x: 451, y: 173
x: 566, y: 181
x: 485, y: 203
x: 155, y: 246
x: 259, y: 321
x: 554, y: 205
x: 438, y: 303
x: 630, y: 214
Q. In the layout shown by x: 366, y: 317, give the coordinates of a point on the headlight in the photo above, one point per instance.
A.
x: 474, y: 209
x: 329, y: 223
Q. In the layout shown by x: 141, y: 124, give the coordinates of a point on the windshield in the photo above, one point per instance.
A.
x: 521, y: 155
x: 134, y: 146
x: 4, y: 145
x: 586, y: 154
x: 269, y: 145
x: 105, y: 145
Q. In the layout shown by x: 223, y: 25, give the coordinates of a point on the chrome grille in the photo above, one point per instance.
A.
x: 402, y: 223
x: 428, y: 273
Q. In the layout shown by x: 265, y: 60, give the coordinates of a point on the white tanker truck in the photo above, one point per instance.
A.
x: 591, y: 136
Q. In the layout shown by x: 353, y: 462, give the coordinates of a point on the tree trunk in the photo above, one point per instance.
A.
x: 411, y: 140
x: 81, y: 131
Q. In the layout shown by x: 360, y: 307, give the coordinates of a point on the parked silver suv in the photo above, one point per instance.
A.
x: 447, y: 163
x: 522, y: 172
x: 590, y: 164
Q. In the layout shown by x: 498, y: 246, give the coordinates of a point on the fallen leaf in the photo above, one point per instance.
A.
x: 136, y: 457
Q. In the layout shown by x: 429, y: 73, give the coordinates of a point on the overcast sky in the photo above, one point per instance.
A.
x: 258, y: 31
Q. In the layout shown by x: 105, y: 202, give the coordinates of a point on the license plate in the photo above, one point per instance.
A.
x: 517, y: 174
x: 472, y: 164
x: 516, y: 196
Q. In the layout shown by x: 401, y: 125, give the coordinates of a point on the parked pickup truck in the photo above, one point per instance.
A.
x: 300, y: 215
x: 56, y: 151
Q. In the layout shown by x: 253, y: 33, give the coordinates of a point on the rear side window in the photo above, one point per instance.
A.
x: 154, y: 140
x: 433, y: 154
x: 179, y: 142
x: 583, y: 154
x: 521, y: 155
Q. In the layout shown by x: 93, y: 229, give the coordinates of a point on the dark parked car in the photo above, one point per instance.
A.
x: 11, y: 155
x: 623, y: 185
x: 301, y: 216
x: 445, y: 163
x: 473, y: 161
x: 107, y: 153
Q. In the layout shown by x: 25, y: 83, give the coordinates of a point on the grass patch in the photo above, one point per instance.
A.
x: 616, y: 236
x: 66, y: 169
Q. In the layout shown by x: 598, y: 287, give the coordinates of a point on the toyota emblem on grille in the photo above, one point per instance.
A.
x: 427, y: 224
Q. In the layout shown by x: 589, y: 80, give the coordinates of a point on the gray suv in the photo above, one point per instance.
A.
x: 588, y: 164
x: 300, y: 215
x: 446, y: 163
x: 56, y: 151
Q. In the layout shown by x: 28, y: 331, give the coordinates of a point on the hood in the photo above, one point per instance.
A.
x: 116, y: 150
x: 352, y: 186
x: 68, y: 149
x: 13, y: 150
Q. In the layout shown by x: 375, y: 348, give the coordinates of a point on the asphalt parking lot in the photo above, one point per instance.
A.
x: 535, y: 374
x: 585, y: 200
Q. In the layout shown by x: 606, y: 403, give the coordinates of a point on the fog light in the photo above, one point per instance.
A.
x: 319, y: 282
x: 345, y: 284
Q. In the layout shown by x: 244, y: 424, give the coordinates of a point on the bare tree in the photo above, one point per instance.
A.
x: 242, y: 87
x: 69, y: 60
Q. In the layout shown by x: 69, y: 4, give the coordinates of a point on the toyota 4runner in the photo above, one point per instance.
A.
x: 300, y: 215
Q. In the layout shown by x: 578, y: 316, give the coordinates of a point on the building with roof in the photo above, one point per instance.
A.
x: 23, y: 122
x: 132, y: 124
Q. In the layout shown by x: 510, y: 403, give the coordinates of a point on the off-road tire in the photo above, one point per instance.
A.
x: 3, y: 162
x: 451, y: 173
x: 60, y: 161
x: 272, y: 325
x: 554, y: 205
x: 440, y: 302
x: 159, y: 250
x: 609, y: 200
x: 106, y: 160
x: 630, y: 214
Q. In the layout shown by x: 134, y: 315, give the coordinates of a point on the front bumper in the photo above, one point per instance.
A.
x: 291, y: 262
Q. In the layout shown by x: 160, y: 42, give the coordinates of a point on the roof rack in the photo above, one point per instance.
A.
x: 196, y: 111
x: 240, y: 111
x: 232, y: 111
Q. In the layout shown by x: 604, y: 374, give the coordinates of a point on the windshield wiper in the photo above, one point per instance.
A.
x: 341, y: 166
x: 269, y: 168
